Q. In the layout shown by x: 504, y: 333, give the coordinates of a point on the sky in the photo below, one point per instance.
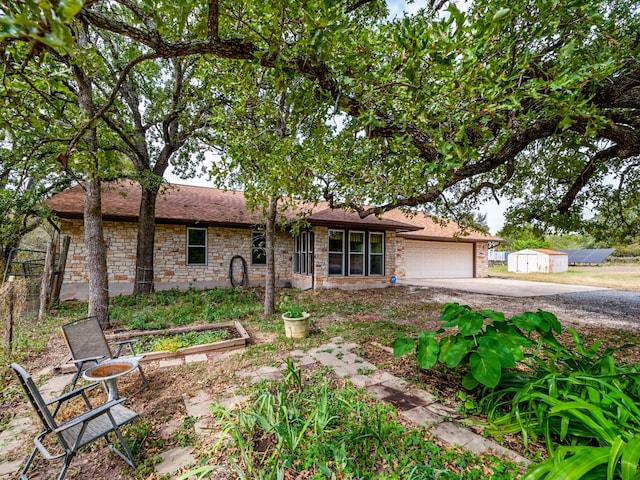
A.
x: 493, y: 211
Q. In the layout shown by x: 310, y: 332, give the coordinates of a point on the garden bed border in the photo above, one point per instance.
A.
x: 223, y: 345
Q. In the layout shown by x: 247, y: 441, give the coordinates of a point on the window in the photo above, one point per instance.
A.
x: 196, y: 246
x: 363, y: 253
x: 303, y: 258
x: 356, y: 253
x: 258, y: 248
x: 376, y: 254
x: 336, y: 252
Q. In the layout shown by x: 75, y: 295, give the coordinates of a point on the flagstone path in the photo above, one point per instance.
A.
x: 415, y: 405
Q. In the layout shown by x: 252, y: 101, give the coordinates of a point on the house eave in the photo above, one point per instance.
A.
x: 362, y: 226
x: 459, y: 239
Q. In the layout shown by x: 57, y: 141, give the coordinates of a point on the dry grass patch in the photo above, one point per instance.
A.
x: 617, y: 277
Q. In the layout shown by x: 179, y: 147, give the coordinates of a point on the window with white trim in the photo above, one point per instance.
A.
x: 196, y: 246
x: 376, y: 253
x: 336, y: 252
x: 258, y: 248
x: 303, y: 257
x: 356, y: 253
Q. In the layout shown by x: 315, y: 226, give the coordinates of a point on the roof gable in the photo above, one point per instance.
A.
x: 541, y: 251
x: 437, y: 229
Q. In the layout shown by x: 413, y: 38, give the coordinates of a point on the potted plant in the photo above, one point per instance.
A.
x: 296, y: 322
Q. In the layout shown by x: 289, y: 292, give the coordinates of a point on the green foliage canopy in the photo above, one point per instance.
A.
x: 536, y: 101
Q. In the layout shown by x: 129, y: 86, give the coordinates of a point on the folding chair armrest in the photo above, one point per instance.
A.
x: 81, y: 361
x: 122, y: 343
x: 90, y: 415
x: 43, y: 450
x: 72, y: 393
x: 69, y: 395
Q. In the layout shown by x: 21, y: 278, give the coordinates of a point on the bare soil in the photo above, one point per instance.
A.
x: 161, y: 406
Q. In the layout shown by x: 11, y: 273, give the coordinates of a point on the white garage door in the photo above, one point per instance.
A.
x: 438, y: 259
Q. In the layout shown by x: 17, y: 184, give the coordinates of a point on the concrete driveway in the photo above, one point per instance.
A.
x: 498, y: 286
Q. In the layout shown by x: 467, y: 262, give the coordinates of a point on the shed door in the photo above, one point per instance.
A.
x: 438, y: 259
x: 527, y: 263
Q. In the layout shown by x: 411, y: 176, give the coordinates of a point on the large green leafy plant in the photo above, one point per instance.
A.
x: 579, y: 400
x: 484, y: 342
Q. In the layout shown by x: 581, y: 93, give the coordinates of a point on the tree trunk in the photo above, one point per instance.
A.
x: 96, y: 250
x: 96, y: 254
x: 270, y: 243
x: 146, y: 239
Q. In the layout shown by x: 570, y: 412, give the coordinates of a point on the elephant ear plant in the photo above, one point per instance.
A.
x: 485, y: 342
x: 578, y: 399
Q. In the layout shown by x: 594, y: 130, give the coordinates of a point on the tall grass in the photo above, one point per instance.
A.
x: 175, y: 307
x: 313, y: 427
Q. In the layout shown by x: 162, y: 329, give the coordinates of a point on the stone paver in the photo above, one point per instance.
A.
x: 262, y: 373
x: 413, y: 404
x: 172, y: 362
x: 196, y: 358
x: 9, y: 469
x: 421, y: 416
x: 231, y: 403
x: 198, y: 405
x: 55, y: 385
x: 169, y: 428
x: 12, y: 436
x: 175, y: 459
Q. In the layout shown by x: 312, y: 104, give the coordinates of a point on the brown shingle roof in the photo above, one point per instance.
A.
x: 186, y: 204
x: 175, y: 204
x: 432, y: 229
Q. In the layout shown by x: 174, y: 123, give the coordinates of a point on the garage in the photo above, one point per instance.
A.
x: 425, y: 259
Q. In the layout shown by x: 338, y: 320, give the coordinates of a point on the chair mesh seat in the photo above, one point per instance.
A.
x: 99, y: 426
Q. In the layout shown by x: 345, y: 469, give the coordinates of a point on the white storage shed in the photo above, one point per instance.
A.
x: 537, y: 260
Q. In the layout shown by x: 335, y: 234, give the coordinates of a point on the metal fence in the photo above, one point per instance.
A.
x: 19, y: 306
x: 497, y: 257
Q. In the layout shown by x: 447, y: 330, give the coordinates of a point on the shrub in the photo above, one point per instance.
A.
x: 577, y: 399
x: 484, y: 342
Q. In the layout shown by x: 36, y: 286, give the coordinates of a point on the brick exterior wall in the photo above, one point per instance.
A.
x: 400, y: 270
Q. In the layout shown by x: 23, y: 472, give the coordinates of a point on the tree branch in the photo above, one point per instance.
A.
x: 98, y: 114
x: 213, y: 19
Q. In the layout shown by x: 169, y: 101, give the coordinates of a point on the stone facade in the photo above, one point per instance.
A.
x: 223, y: 243
x: 321, y: 278
x: 481, y: 268
x: 170, y: 264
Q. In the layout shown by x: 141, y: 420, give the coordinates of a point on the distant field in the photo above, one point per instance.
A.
x: 618, y: 277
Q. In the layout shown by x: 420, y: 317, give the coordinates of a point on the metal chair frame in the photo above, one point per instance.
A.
x: 72, y: 434
x: 88, y: 346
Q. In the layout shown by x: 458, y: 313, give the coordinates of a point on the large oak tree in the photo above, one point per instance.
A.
x: 536, y: 100
x: 448, y: 107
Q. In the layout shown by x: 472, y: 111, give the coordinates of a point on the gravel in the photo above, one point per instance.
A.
x: 607, y: 308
